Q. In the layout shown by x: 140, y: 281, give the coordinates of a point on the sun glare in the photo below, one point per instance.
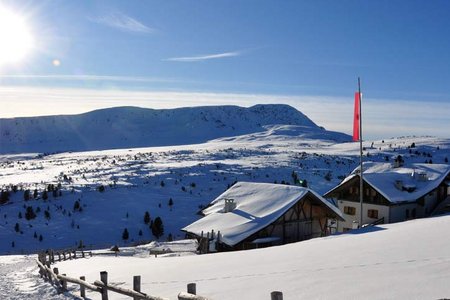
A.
x: 15, y: 38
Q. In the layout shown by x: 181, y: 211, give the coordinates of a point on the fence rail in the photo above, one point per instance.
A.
x: 101, y: 286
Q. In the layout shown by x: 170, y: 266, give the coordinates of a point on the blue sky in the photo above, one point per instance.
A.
x: 295, y: 49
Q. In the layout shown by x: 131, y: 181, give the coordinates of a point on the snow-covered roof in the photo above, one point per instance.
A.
x: 383, y: 176
x: 257, y: 206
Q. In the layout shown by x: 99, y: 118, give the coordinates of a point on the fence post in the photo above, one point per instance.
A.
x: 276, y: 295
x: 48, y: 275
x: 104, y: 279
x: 137, y: 284
x: 192, y: 288
x: 82, y: 253
x: 70, y: 255
x: 64, y: 284
x: 52, y: 257
x: 59, y: 256
x: 64, y: 254
x: 82, y: 288
x: 74, y: 253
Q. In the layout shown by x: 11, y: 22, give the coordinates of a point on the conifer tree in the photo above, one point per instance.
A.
x: 147, y: 217
x: 125, y: 234
x: 158, y: 228
x: 29, y: 214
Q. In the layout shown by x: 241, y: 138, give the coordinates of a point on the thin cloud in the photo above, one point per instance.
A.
x: 123, y: 22
x: 89, y: 78
x: 204, y: 57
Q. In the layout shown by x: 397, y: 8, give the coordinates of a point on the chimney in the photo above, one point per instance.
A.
x: 420, y: 176
x: 399, y: 185
x: 229, y: 205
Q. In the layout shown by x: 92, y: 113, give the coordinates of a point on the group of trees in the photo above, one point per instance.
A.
x: 156, y: 226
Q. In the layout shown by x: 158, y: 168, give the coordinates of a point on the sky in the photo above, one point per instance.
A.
x: 85, y: 55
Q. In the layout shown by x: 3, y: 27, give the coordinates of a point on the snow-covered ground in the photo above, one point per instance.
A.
x: 408, y: 260
x: 145, y: 179
x: 93, y: 196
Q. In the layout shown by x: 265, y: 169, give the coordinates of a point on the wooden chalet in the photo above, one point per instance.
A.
x: 392, y: 193
x: 252, y: 215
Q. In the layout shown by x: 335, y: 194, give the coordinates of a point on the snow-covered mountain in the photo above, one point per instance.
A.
x: 131, y: 127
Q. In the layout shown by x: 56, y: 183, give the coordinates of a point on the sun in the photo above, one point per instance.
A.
x: 16, y: 40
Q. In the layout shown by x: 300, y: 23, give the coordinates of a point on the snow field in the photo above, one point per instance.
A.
x: 393, y: 261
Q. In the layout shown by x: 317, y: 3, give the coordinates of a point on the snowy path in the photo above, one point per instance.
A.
x: 19, y: 279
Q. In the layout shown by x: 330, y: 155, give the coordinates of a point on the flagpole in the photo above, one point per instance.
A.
x: 361, y: 192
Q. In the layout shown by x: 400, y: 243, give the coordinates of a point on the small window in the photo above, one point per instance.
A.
x: 372, y: 213
x: 349, y: 210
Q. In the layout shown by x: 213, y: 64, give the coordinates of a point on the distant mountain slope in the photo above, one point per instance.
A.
x: 127, y: 127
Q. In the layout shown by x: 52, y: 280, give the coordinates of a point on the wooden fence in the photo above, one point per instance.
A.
x: 101, y: 286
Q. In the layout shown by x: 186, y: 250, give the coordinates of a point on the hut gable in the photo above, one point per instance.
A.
x: 395, y: 185
x: 255, y: 207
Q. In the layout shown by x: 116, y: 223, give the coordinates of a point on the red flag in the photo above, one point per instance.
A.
x: 356, y: 118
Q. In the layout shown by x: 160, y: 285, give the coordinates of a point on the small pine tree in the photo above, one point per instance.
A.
x: 147, y: 217
x: 29, y: 214
x: 158, y: 228
x: 17, y: 227
x: 125, y: 234
x: 40, y: 238
x: 162, y: 183
x: 304, y: 183
x: 140, y: 232
x: 4, y: 197
x: 44, y: 195
x: 35, y: 235
x: 76, y: 205
x: 446, y: 160
x: 26, y: 195
x: 170, y: 237
x: 20, y: 215
x: 47, y: 214
x: 170, y: 202
x: 13, y: 244
x: 35, y: 194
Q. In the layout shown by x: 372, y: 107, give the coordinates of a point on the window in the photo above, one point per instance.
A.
x: 349, y: 210
x: 407, y: 214
x: 372, y: 213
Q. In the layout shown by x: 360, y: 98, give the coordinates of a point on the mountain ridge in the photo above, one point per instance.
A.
x: 129, y: 127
